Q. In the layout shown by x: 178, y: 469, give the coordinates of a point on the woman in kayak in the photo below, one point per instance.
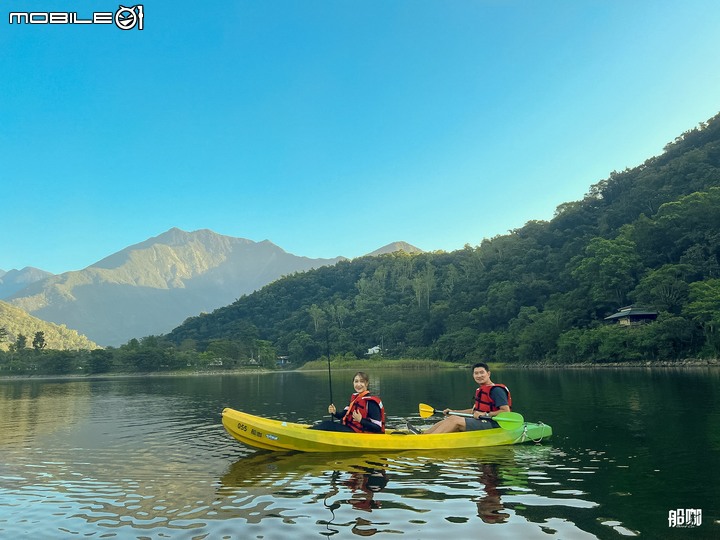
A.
x: 364, y: 414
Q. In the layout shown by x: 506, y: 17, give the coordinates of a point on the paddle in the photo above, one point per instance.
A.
x: 506, y: 420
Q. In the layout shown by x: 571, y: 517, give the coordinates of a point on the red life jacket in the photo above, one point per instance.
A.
x: 358, y: 402
x: 483, y: 401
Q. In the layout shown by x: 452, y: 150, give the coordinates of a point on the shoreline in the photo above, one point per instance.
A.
x: 100, y: 376
x: 391, y: 364
x: 714, y: 362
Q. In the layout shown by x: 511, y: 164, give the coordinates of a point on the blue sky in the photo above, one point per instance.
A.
x: 333, y: 127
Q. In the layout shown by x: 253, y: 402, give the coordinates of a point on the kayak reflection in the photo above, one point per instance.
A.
x: 362, y: 493
x: 349, y: 481
x: 261, y: 467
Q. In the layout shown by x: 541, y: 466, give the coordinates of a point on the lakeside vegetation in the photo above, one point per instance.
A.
x: 340, y: 363
x: 539, y: 295
x: 149, y: 356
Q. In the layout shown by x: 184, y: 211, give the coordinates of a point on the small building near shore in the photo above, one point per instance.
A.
x: 631, y: 315
x: 283, y: 361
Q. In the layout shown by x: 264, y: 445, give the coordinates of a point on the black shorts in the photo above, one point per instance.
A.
x: 474, y: 424
x: 329, y: 425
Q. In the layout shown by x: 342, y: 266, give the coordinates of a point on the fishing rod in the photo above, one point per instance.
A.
x: 327, y: 351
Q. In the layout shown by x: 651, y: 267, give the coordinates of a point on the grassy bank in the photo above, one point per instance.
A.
x: 365, y: 365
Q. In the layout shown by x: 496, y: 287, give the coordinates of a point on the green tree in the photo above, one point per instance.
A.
x: 670, y: 337
x: 21, y: 342
x: 57, y: 362
x: 664, y: 288
x: 451, y: 278
x: 687, y: 229
x: 317, y: 315
x: 38, y: 342
x: 704, y: 309
x: 224, y: 349
x: 457, y: 346
x: 609, y: 269
x: 501, y: 305
x: 100, y: 361
x: 538, y: 340
x: 423, y: 284
x: 338, y: 312
x: 572, y: 347
x: 267, y: 354
x: 302, y: 348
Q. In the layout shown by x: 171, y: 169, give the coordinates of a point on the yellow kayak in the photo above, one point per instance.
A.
x: 269, y: 434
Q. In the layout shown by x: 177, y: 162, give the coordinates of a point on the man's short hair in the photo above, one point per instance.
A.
x: 482, y: 365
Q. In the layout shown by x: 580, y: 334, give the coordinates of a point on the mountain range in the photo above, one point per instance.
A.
x: 16, y: 280
x: 151, y: 287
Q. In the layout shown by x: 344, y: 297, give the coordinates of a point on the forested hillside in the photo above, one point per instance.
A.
x: 648, y: 235
x: 15, y: 323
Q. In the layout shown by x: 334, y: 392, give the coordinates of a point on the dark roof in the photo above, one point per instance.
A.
x: 632, y: 311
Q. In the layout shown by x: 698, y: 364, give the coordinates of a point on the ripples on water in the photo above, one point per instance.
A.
x: 183, y: 477
x: 421, y: 496
x: 103, y: 464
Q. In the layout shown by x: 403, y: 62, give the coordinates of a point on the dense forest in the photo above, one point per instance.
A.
x: 647, y: 236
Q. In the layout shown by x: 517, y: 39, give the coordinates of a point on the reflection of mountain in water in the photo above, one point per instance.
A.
x: 106, y: 454
x: 31, y: 409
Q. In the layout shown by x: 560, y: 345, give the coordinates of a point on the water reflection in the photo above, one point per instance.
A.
x: 31, y: 409
x: 362, y: 488
x: 347, y: 481
x: 490, y: 507
x: 367, y: 494
x: 149, y: 458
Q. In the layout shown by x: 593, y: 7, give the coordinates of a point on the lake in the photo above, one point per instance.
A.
x: 635, y: 453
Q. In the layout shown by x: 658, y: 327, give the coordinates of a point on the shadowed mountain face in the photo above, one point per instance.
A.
x: 151, y: 287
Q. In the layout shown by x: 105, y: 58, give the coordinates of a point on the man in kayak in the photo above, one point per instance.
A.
x: 364, y: 414
x: 490, y: 399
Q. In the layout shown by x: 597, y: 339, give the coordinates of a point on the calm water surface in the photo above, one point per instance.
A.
x: 148, y: 458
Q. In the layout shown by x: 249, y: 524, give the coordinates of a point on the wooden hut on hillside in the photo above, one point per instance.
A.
x: 630, y: 315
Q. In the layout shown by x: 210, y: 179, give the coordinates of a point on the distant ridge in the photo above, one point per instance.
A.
x: 16, y: 280
x: 396, y: 246
x: 151, y: 287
